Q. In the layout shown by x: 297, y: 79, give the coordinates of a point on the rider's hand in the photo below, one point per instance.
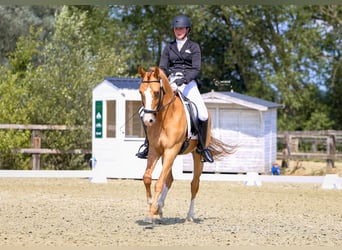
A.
x: 174, y: 86
x: 180, y: 81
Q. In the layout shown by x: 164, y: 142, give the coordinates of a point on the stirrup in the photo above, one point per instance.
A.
x: 206, y: 154
x: 144, y: 153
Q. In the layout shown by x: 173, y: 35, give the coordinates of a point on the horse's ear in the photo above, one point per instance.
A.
x: 141, y: 71
x: 156, y: 72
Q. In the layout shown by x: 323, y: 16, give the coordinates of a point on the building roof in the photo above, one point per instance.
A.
x: 124, y: 83
x: 240, y: 99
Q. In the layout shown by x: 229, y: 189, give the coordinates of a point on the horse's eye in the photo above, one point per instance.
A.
x: 156, y: 94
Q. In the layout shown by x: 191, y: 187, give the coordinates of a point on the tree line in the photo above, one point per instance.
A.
x: 52, y: 56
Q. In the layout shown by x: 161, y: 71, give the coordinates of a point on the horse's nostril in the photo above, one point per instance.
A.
x: 151, y: 121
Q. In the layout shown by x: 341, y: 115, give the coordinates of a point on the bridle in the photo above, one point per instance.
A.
x: 160, y: 106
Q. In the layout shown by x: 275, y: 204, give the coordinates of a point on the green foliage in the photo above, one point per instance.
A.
x: 27, y: 50
x: 58, y: 90
x: 15, y: 21
x: 10, y: 140
x: 13, y: 111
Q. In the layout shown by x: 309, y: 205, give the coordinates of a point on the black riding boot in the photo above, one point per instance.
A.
x: 142, y: 154
x: 202, y: 139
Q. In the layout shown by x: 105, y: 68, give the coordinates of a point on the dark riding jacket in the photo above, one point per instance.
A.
x: 187, y: 61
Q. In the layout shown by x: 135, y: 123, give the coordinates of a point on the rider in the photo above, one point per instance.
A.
x: 181, y: 62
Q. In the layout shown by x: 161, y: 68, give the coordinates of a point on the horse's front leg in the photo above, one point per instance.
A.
x: 163, y: 184
x: 147, y: 178
x: 198, y: 168
x: 166, y: 188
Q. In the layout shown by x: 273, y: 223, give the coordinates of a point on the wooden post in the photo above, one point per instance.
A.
x: 331, y: 151
x: 286, y: 151
x: 35, y: 143
x: 294, y: 143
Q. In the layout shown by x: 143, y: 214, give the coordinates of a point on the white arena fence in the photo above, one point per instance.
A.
x: 329, y: 181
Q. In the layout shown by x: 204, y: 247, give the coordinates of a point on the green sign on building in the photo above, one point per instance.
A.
x: 98, y: 119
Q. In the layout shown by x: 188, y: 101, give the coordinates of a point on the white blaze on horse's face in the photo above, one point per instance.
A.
x: 149, y: 118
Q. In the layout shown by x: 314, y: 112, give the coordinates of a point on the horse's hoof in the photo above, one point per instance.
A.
x: 189, y: 219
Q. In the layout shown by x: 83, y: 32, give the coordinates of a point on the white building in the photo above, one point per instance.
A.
x: 117, y: 132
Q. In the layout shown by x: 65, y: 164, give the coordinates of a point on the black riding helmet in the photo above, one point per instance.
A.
x: 181, y: 22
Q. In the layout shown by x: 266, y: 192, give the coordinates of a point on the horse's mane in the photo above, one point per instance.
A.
x: 163, y: 77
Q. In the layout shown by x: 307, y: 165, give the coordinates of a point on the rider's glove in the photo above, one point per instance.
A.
x: 174, y: 86
x: 180, y: 81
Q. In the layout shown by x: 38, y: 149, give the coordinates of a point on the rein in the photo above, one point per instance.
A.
x: 160, y: 98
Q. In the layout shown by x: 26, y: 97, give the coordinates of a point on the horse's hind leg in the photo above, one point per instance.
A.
x: 198, y: 167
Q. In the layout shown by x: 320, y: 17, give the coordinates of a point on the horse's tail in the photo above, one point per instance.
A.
x: 219, y: 148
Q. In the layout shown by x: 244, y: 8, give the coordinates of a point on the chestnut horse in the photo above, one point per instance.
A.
x: 166, y: 127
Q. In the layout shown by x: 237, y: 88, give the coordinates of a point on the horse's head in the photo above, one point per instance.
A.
x: 152, y: 90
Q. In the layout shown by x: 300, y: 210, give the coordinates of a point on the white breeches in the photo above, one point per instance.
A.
x: 191, y: 91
